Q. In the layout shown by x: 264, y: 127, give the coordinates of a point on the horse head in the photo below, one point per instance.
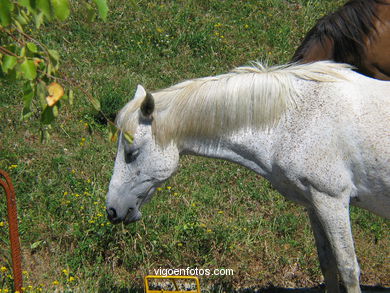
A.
x: 141, y: 165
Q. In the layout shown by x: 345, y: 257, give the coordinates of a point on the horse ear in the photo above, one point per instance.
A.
x: 147, y: 106
x: 140, y: 93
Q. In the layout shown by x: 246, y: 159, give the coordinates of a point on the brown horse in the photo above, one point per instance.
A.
x: 358, y: 33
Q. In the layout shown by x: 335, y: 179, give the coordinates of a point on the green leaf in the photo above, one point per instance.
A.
x: 25, y: 3
x: 36, y: 244
x: 9, y: 62
x: 44, y: 6
x: 22, y: 52
x: 32, y: 47
x: 41, y: 93
x: 20, y: 20
x: 27, y: 99
x: 61, y: 8
x: 45, y: 135
x: 129, y: 138
x: 113, y: 132
x: 47, y: 116
x: 95, y: 103
x: 28, y: 69
x: 5, y: 12
x: 71, y: 97
x: 54, y: 54
x: 55, y: 111
x: 102, y: 8
x: 39, y: 19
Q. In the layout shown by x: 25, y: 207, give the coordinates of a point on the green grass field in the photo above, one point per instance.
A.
x: 212, y: 214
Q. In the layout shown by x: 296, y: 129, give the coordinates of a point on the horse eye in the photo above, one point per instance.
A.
x: 131, y: 156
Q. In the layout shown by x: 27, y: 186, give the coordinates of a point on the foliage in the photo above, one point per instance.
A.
x: 25, y: 59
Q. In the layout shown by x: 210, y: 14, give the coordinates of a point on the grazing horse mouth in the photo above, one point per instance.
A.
x: 133, y: 215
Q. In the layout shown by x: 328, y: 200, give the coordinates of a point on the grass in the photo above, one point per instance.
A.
x: 212, y: 214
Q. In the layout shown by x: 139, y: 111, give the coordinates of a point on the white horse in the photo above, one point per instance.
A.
x: 319, y: 132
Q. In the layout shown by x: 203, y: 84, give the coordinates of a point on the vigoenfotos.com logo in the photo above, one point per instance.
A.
x: 193, y: 272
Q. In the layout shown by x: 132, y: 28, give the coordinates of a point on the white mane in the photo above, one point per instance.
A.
x: 247, y: 97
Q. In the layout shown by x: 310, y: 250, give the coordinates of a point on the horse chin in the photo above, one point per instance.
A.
x: 132, y: 217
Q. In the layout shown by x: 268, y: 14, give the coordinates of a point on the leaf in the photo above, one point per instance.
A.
x: 9, y: 62
x: 41, y: 93
x: 32, y: 47
x: 102, y: 8
x: 95, y: 103
x: 47, y: 116
x: 36, y: 244
x: 55, y: 111
x: 54, y: 54
x: 113, y: 132
x: 5, y: 12
x: 56, y: 91
x: 44, y: 6
x: 71, y: 97
x: 19, y: 21
x: 45, y: 135
x: 28, y: 94
x: 61, y: 9
x: 25, y: 3
x: 39, y: 19
x: 28, y: 69
x: 129, y: 138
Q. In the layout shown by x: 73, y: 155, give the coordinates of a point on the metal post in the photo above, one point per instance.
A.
x: 13, y: 230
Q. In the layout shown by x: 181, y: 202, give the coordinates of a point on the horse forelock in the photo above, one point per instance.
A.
x: 248, y: 97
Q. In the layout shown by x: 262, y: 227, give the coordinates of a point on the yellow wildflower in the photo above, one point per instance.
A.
x: 3, y: 269
x: 55, y: 283
x: 71, y: 279
x: 65, y: 271
x: 209, y: 230
x: 220, y: 212
x: 169, y: 187
x: 1, y: 224
x: 65, y: 193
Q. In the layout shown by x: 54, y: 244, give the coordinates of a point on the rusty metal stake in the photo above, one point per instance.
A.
x: 13, y: 230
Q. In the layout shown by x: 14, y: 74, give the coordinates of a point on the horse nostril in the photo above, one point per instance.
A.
x: 111, y: 213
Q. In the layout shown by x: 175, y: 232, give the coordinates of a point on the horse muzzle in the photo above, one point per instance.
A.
x: 133, y: 215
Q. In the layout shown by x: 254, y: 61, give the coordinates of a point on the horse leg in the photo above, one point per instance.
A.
x: 333, y: 215
x: 327, y: 260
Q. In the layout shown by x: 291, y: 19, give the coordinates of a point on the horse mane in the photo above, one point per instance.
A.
x: 346, y: 28
x: 247, y: 97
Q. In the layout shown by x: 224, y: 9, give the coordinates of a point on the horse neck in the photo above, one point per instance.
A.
x: 251, y: 149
